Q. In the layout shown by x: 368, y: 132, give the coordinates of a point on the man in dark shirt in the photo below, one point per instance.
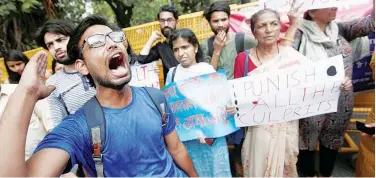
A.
x: 168, y: 18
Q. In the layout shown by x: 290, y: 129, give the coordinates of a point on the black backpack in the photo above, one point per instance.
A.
x: 97, y: 124
x: 239, y: 43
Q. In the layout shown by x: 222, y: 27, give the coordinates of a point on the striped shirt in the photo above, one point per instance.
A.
x: 71, y: 93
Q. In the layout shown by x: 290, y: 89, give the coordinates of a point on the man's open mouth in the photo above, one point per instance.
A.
x: 117, y: 65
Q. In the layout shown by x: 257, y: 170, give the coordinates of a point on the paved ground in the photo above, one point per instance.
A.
x: 345, y: 165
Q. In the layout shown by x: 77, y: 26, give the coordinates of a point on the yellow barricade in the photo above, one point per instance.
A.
x: 138, y: 35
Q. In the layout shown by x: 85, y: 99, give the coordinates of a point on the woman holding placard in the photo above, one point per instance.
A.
x: 269, y: 150
x: 210, y: 159
x: 318, y: 38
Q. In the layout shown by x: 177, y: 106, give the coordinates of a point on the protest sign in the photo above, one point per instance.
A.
x: 354, y: 2
x: 285, y: 5
x: 145, y: 76
x: 362, y: 73
x: 290, y: 93
x: 199, y: 105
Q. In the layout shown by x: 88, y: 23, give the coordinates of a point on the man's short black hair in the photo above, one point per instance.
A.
x: 63, y: 27
x: 221, y: 6
x: 73, y: 48
x: 169, y: 8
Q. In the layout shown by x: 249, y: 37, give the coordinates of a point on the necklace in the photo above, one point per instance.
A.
x: 258, y: 58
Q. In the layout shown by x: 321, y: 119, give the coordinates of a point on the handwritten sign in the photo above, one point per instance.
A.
x: 297, y: 91
x: 145, y: 76
x: 285, y: 5
x: 199, y: 105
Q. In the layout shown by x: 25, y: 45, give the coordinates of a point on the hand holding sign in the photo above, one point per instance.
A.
x: 288, y: 89
x: 231, y: 109
x: 200, y: 105
x: 346, y: 84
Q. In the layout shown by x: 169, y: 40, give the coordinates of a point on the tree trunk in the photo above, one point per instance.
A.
x: 123, y: 13
x: 50, y: 9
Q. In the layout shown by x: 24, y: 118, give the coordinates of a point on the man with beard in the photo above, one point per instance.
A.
x: 136, y: 144
x: 168, y: 18
x: 223, y: 54
x: 72, y: 88
x: 224, y: 44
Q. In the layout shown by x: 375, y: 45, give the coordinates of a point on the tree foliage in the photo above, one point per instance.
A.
x: 19, y: 19
x: 102, y: 8
x: 72, y: 10
x: 123, y: 10
x: 146, y: 11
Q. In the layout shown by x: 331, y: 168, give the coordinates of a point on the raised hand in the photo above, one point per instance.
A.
x: 32, y: 79
x: 220, y: 41
x: 156, y: 35
x: 294, y: 15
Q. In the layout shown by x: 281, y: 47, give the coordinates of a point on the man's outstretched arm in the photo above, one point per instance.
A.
x: 15, y: 122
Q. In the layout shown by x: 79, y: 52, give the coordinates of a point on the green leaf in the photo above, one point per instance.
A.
x: 11, y: 6
x: 26, y: 6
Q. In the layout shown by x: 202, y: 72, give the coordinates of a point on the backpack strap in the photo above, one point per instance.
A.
x: 97, y: 124
x: 239, y: 42
x: 210, y: 46
x: 159, y: 101
x: 247, y: 53
x: 173, y: 74
x: 97, y: 128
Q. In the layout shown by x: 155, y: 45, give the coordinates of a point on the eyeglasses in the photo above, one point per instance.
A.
x: 99, y: 40
x: 169, y: 20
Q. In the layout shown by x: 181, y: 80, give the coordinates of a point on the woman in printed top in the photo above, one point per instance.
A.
x: 269, y: 150
x: 318, y: 38
x: 209, y: 161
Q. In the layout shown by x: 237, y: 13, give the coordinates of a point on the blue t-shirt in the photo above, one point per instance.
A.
x: 134, y: 143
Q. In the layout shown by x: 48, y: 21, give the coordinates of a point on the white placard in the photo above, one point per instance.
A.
x: 284, y: 5
x: 296, y: 90
x: 145, y: 76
